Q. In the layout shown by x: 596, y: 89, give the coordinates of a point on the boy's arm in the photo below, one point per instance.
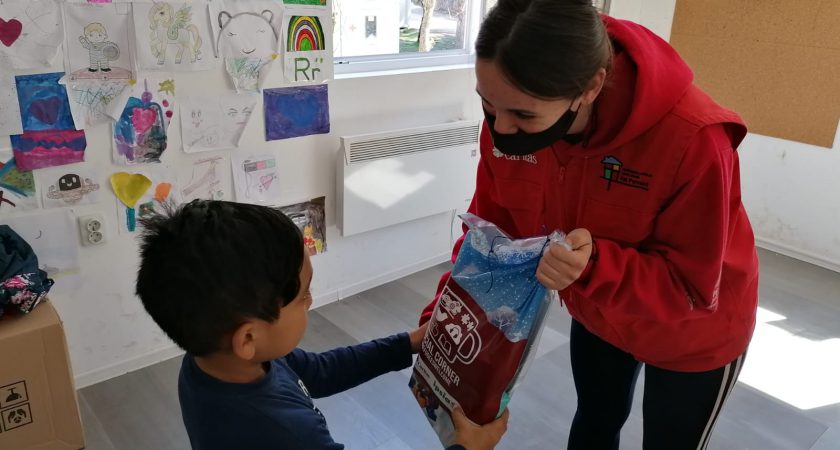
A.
x: 337, y: 370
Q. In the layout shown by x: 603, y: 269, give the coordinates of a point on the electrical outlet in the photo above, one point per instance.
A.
x: 92, y: 229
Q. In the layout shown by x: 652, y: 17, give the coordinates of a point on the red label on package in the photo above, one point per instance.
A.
x: 464, y: 359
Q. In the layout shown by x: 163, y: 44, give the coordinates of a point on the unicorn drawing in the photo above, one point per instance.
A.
x: 173, y: 28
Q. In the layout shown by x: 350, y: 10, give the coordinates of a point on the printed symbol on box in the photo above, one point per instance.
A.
x: 13, y: 397
x: 459, y: 339
x: 17, y: 417
x: 13, y: 394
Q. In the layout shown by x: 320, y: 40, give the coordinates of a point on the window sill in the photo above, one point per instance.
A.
x: 404, y: 71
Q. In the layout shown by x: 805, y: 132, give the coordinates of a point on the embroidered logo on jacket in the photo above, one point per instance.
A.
x: 616, y: 172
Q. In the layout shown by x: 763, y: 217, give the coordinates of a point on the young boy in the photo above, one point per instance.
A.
x: 229, y: 283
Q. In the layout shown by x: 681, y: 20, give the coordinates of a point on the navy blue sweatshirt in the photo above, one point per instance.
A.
x: 277, y: 412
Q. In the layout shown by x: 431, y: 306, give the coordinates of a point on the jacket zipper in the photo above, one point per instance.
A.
x: 560, y: 189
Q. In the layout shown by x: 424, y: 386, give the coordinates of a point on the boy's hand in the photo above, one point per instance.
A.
x: 474, y: 437
x: 416, y: 337
x: 560, y: 267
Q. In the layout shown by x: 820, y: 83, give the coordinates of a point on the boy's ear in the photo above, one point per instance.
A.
x: 243, y: 341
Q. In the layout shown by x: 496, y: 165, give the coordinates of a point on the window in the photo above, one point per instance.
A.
x: 602, y: 5
x: 394, y: 34
x: 374, y: 35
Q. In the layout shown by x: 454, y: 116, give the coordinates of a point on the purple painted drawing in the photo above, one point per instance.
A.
x: 39, y: 149
x: 296, y: 111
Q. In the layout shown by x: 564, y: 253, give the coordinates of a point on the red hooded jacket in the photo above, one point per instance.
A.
x: 674, y: 280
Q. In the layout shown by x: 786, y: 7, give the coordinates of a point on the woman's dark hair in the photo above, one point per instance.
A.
x: 547, y: 48
x: 208, y: 266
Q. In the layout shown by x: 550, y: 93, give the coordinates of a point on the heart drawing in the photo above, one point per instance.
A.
x: 46, y: 110
x: 265, y: 181
x: 142, y: 119
x: 130, y: 187
x: 10, y: 31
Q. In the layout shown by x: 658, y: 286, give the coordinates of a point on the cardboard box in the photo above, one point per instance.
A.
x: 38, y: 408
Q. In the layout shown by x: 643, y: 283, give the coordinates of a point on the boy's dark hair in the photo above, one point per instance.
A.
x: 547, y: 48
x: 208, y: 266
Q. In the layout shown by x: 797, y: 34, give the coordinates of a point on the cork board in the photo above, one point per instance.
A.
x: 775, y: 62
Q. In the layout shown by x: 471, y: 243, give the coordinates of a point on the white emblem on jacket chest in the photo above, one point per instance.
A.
x: 530, y: 159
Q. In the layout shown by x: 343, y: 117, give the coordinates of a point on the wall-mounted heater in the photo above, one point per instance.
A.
x: 397, y: 176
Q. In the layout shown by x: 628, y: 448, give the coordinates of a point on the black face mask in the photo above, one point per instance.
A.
x: 522, y: 143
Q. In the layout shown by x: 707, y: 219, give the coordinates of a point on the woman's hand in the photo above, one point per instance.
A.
x: 560, y: 267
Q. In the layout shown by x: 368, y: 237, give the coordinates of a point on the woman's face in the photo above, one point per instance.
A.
x: 514, y: 109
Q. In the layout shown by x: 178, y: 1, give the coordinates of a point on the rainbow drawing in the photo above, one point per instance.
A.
x: 305, y: 34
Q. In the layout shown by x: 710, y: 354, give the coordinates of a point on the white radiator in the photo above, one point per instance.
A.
x: 397, y: 176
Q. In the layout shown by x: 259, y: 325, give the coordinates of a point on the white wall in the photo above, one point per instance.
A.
x: 788, y: 188
x: 791, y: 194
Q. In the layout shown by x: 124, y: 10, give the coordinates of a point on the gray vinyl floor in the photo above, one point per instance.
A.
x: 788, y: 397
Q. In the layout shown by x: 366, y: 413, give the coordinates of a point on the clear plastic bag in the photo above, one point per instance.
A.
x: 485, y: 328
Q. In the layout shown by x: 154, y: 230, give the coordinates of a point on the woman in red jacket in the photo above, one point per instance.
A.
x: 593, y: 125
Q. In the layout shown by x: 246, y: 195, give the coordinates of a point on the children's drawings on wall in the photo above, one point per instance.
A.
x: 140, y: 132
x: 31, y: 32
x: 129, y: 189
x: 246, y: 36
x: 17, y: 189
x: 173, y: 36
x: 308, y: 46
x: 214, y: 122
x: 97, y: 44
x: 257, y: 179
x: 9, y: 107
x: 310, y: 218
x: 43, y: 103
x: 90, y: 100
x: 296, y: 111
x: 305, y: 34
x: 78, y: 185
x: 204, y: 181
x: 246, y: 73
x: 142, y: 194
x: 49, y: 136
x: 52, y: 236
x: 39, y: 149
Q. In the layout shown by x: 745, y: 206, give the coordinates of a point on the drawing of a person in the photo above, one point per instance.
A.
x: 101, y: 51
